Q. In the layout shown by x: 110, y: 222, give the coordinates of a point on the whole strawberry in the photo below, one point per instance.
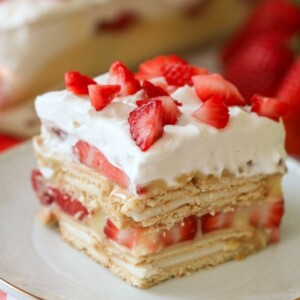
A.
x: 289, y: 91
x: 259, y: 67
x: 278, y: 17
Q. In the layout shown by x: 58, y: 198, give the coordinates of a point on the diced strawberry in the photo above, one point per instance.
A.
x: 268, y: 107
x: 93, y: 158
x: 40, y: 187
x: 170, y: 108
x: 213, y: 112
x: 152, y: 90
x: 102, y: 95
x: 119, y: 74
x: 268, y: 214
x: 78, y: 83
x: 207, y: 86
x: 220, y: 220
x: 110, y: 230
x: 146, y: 124
x: 68, y: 204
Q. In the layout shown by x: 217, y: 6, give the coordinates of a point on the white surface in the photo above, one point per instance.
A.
x: 247, y: 137
x: 35, y: 259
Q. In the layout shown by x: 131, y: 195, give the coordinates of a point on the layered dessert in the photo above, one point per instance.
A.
x: 41, y: 39
x: 160, y: 173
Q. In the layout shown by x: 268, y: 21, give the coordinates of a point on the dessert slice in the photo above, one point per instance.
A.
x: 40, y: 39
x: 160, y: 173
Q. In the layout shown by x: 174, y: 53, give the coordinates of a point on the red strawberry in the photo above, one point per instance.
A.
x: 146, y: 124
x: 220, y: 220
x: 179, y: 74
x: 273, y: 16
x: 110, y: 230
x: 259, y: 67
x: 268, y: 107
x: 78, y: 83
x: 169, y: 106
x: 40, y: 187
x: 102, y: 95
x: 153, y: 68
x: 68, y: 205
x: 289, y: 91
x: 119, y: 74
x: 93, y: 158
x: 213, y: 112
x: 152, y: 90
x: 268, y: 214
x: 207, y: 86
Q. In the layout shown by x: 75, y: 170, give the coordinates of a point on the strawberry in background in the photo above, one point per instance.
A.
x: 261, y: 59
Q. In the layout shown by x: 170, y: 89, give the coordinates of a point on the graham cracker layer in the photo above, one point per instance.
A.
x: 200, y: 195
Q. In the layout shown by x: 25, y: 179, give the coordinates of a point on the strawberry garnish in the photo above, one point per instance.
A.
x: 78, y: 83
x: 152, y: 90
x: 119, y: 74
x: 289, y: 92
x: 220, y: 220
x: 40, y: 187
x: 213, y: 112
x: 146, y: 124
x: 102, y: 95
x: 153, y: 68
x: 268, y: 107
x: 93, y: 158
x: 268, y: 214
x: 169, y: 106
x: 207, y: 86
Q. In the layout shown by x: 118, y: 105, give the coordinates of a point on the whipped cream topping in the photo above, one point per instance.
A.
x: 249, y: 145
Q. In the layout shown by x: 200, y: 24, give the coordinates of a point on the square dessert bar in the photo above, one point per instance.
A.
x: 160, y: 173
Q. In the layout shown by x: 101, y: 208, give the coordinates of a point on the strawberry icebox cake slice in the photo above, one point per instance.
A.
x: 160, y: 173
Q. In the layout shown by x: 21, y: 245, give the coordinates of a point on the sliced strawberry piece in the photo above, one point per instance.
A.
x: 102, y: 95
x: 268, y: 107
x: 78, y: 83
x: 268, y: 214
x: 146, y: 124
x: 213, y: 112
x: 169, y: 106
x: 119, y: 74
x: 189, y: 228
x: 68, y: 204
x: 40, y: 187
x: 220, y: 220
x: 93, y: 158
x: 110, y: 230
x: 207, y: 86
x: 153, y: 68
x: 152, y: 90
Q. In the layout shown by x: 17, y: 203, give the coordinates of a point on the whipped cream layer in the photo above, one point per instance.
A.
x: 249, y: 145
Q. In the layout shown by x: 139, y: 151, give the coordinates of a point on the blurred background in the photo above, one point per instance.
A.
x: 254, y: 44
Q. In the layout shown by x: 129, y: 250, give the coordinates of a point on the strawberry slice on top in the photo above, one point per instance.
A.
x: 146, y: 124
x: 119, y: 74
x: 102, y: 95
x: 213, y: 112
x: 268, y: 107
x: 78, y: 83
x: 210, y: 85
x: 169, y: 106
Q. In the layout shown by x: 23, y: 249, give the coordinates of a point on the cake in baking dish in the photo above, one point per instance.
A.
x: 160, y: 173
x: 41, y: 39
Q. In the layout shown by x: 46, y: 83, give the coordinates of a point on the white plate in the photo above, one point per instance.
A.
x: 34, y: 258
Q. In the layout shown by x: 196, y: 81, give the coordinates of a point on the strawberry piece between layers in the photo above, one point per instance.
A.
x: 146, y: 124
x: 220, y: 220
x: 119, y: 74
x: 268, y: 107
x: 93, y: 158
x: 213, y: 112
x: 210, y: 85
x: 78, y: 83
x: 102, y: 95
x: 170, y: 108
